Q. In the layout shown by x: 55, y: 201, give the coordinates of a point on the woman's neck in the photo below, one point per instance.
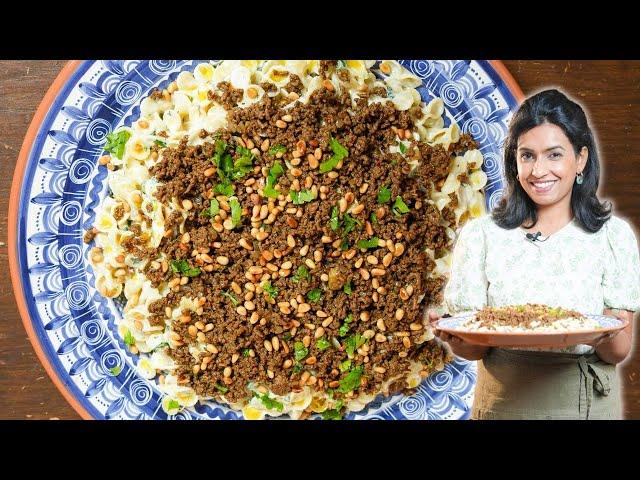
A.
x: 552, y: 218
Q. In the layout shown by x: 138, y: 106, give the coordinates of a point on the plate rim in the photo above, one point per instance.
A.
x: 623, y: 324
x: 60, y: 83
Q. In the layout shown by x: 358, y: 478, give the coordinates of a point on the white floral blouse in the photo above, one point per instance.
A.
x: 573, y: 269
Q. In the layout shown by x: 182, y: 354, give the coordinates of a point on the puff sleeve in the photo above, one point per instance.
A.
x: 621, y: 277
x: 467, y: 286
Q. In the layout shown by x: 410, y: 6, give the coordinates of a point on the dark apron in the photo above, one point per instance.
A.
x: 516, y: 384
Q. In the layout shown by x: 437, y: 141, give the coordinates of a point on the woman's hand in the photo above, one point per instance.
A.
x: 458, y: 346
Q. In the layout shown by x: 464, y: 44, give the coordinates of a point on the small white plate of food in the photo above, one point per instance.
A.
x: 529, y: 325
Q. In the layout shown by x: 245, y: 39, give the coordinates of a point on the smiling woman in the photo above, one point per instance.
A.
x: 588, y: 262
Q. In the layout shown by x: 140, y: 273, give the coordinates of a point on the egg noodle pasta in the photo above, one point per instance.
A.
x: 275, y: 228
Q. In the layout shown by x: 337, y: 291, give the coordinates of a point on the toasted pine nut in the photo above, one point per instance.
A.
x: 372, y: 260
x: 380, y: 324
x: 399, y: 314
x: 380, y: 338
x: 406, y: 342
x: 415, y: 326
x: 222, y: 260
x: 378, y: 272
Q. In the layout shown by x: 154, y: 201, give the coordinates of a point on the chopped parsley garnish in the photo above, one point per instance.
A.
x: 384, y: 195
x: 300, y: 351
x: 348, y: 288
x: 243, y: 164
x: 302, y: 273
x: 402, y: 147
x: 270, y: 403
x: 297, y: 368
x: 116, y: 143
x: 231, y: 297
x: 339, y: 153
x: 344, y: 328
x: 275, y: 172
x: 399, y: 207
x: 314, y: 295
x: 115, y: 371
x: 354, y: 342
x: 331, y: 415
x: 303, y: 196
x: 275, y: 149
x: 160, y: 142
x: 270, y: 289
x: 236, y: 211
x: 335, y: 219
x: 221, y: 388
x: 345, y: 366
x: 349, y: 223
x: 371, y: 243
x: 323, y: 344
x: 172, y: 405
x: 287, y: 336
x: 128, y: 338
x: 351, y: 381
x: 223, y: 188
x: 213, y: 210
x: 344, y: 245
x: 373, y: 218
x: 182, y: 267
x: 246, y: 352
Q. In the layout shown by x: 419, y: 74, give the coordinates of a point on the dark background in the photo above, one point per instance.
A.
x: 609, y: 91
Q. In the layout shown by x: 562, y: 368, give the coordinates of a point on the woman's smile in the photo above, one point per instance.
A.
x: 542, y: 187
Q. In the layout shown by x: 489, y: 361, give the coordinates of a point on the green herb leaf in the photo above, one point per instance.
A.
x: 348, y: 288
x: 345, y: 366
x: 274, y: 173
x: 354, y: 342
x: 224, y: 188
x: 351, y: 381
x: 236, y: 211
x: 116, y: 143
x: 402, y: 147
x: 221, y: 388
x: 314, y: 295
x: 297, y: 368
x: 172, y: 404
x: 322, y: 344
x: 231, y: 297
x: 245, y: 352
x: 300, y: 351
x: 339, y: 153
x: 303, y: 196
x: 275, y: 149
x: 384, y: 194
x: 287, y: 336
x: 243, y: 164
x: 270, y: 403
x: 128, y: 338
x: 371, y: 243
x: 115, y: 371
x: 373, y: 218
x: 344, y: 328
x: 270, y: 289
x: 182, y: 267
x: 331, y: 415
x: 399, y: 207
x: 213, y: 210
x: 160, y: 142
x: 335, y: 219
x: 345, y: 244
x: 350, y: 223
x: 301, y: 273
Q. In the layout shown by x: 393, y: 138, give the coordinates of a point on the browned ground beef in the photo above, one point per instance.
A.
x: 522, y: 315
x: 254, y: 335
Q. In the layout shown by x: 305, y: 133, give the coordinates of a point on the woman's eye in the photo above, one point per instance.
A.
x: 526, y: 156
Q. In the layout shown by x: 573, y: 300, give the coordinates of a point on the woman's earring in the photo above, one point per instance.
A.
x: 518, y: 177
x: 579, y: 178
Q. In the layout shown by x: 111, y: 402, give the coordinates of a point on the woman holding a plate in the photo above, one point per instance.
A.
x: 550, y: 241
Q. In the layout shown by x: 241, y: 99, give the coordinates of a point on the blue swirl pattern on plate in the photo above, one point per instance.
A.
x: 62, y: 186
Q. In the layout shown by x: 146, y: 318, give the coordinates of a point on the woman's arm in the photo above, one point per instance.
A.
x: 614, y: 350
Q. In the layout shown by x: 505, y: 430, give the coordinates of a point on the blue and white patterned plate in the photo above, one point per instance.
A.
x: 58, y: 186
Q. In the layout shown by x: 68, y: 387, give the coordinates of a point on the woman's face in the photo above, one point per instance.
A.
x: 547, y: 164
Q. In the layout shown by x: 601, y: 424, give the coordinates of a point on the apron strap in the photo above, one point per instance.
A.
x: 592, y: 377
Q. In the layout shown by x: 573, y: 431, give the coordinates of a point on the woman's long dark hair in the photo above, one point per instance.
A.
x: 516, y: 207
